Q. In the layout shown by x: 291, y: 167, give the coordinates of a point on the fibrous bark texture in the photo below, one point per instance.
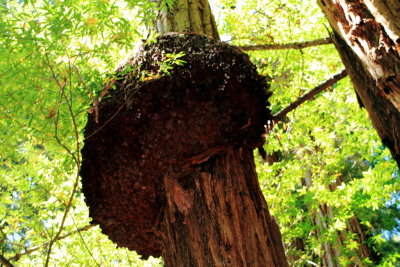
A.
x: 371, y: 29
x: 164, y: 145
x: 369, y: 45
x: 220, y: 217
x: 188, y: 16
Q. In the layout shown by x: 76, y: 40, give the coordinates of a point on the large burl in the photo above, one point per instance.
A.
x: 168, y: 126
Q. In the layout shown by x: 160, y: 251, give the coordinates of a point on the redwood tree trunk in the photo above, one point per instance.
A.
x: 181, y: 182
x: 367, y: 36
x: 218, y: 216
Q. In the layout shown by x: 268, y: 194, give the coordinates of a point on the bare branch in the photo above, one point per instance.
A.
x: 84, y: 243
x: 76, y: 157
x: 298, y: 45
x: 30, y: 250
x: 307, y: 96
x: 5, y: 262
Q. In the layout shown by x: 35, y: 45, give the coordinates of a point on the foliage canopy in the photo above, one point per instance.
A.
x: 57, y: 57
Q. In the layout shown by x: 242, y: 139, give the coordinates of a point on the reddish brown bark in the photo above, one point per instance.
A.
x: 220, y: 217
x: 372, y: 38
x: 354, y: 226
x: 367, y: 40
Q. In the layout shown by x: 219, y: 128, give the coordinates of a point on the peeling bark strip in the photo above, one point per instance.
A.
x: 371, y: 57
x: 371, y: 28
x: 217, y: 215
x: 298, y: 45
x: 188, y: 16
x: 387, y: 13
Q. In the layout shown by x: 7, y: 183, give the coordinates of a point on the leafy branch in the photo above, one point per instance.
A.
x: 45, y: 244
x: 171, y: 59
x: 307, y: 96
x: 297, y: 45
x: 76, y: 158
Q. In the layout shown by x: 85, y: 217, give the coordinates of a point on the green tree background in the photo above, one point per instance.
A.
x: 326, y: 164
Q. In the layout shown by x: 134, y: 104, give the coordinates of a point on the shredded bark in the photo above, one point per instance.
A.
x: 369, y: 33
x: 220, y: 217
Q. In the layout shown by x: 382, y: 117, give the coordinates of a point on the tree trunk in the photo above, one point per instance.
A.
x: 367, y: 36
x: 188, y: 16
x: 319, y: 215
x: 216, y: 215
x: 323, y: 218
x: 181, y: 182
x: 220, y: 217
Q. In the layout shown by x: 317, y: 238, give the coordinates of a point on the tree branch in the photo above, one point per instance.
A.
x: 30, y: 250
x: 76, y: 158
x: 307, y: 96
x: 298, y: 45
x: 5, y: 262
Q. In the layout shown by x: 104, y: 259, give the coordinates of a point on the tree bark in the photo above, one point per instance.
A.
x: 366, y: 34
x: 188, y: 16
x: 217, y: 216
